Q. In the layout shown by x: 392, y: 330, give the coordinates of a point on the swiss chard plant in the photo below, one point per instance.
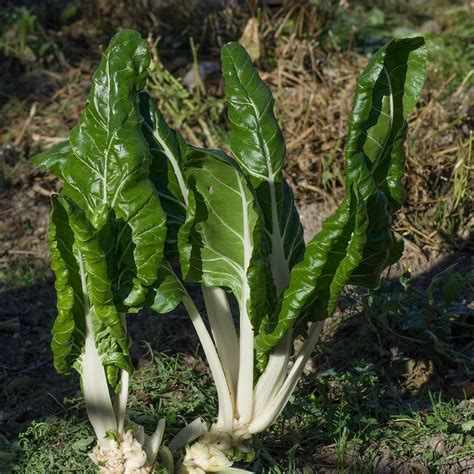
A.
x: 143, y: 215
x: 106, y: 234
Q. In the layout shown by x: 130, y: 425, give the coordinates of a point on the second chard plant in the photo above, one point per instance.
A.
x: 143, y: 215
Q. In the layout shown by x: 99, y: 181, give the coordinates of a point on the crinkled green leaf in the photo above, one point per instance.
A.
x: 221, y: 240
x: 83, y: 290
x: 318, y: 279
x: 386, y: 93
x: 168, y: 151
x: 258, y: 146
x: 357, y: 242
x: 382, y: 247
x: 106, y: 170
x: 69, y: 327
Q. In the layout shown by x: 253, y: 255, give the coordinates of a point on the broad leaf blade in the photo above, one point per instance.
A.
x: 69, y: 327
x: 256, y: 140
x: 386, y: 93
x: 257, y: 144
x: 106, y: 170
x: 168, y: 150
x: 318, y: 279
x: 221, y: 239
x: 83, y: 291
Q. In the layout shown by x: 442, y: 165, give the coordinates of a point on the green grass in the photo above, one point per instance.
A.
x: 447, y: 27
x: 22, y: 274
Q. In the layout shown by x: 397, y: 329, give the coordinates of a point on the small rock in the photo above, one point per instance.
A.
x: 205, y: 69
x: 436, y: 444
x: 431, y: 26
x: 312, y: 216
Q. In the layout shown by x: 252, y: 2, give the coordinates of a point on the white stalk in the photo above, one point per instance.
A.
x: 268, y: 416
x: 188, y: 434
x: 120, y: 400
x: 246, y: 366
x: 225, y: 402
x: 246, y: 355
x: 224, y: 334
x: 96, y: 391
x: 220, y: 319
x: 273, y: 376
x: 151, y: 444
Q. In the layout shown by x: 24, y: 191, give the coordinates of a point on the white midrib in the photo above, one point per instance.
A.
x: 246, y: 356
x: 279, y: 266
x: 271, y: 380
x: 119, y: 401
x: 174, y: 163
x: 106, y: 161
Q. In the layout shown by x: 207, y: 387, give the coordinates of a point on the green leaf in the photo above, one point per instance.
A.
x: 256, y: 140
x: 54, y: 159
x: 107, y: 164
x: 221, y: 239
x: 168, y: 150
x: 382, y: 247
x: 357, y: 243
x: 69, y: 328
x: 317, y: 281
x: 83, y: 290
x: 386, y: 92
x: 258, y: 146
x: 168, y: 290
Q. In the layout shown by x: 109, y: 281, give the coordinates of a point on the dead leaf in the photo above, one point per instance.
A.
x: 250, y: 39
